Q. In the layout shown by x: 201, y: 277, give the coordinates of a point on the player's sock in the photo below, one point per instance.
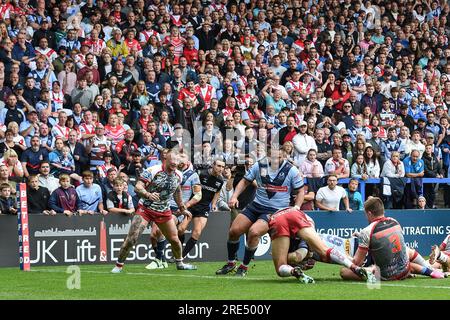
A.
x: 285, y: 270
x: 119, y: 264
x: 189, y: 245
x: 426, y: 271
x: 316, y: 256
x: 232, y: 248
x: 179, y: 262
x: 249, y: 253
x: 338, y: 257
x: 182, y: 238
x: 442, y: 258
x: 159, y: 252
x: 418, y: 259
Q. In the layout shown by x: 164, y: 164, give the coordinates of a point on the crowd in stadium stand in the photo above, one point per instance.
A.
x: 358, y: 89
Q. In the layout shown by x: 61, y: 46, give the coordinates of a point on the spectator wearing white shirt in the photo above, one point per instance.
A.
x: 415, y: 144
x: 302, y: 144
x: 337, y: 165
x: 329, y: 197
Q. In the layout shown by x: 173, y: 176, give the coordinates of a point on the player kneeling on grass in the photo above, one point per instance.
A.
x: 154, y: 188
x: 289, y: 223
x: 383, y: 240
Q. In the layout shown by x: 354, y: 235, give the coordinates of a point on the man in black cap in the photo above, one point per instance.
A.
x: 44, y: 32
x: 375, y: 141
x: 251, y: 115
x: 58, y: 63
x: 206, y: 37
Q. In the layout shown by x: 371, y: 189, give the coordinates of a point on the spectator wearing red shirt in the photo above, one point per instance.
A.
x: 126, y: 147
x: 189, y: 51
x: 340, y: 95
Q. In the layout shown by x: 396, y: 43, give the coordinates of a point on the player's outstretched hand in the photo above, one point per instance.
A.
x: 233, y: 203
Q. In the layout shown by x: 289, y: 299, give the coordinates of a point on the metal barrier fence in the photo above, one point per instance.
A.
x: 362, y: 183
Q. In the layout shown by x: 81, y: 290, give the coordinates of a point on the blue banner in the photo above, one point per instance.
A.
x: 421, y: 228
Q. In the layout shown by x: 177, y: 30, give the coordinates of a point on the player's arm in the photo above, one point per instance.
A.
x: 179, y: 201
x: 197, y: 191
x: 214, y: 201
x: 360, y: 256
x: 297, y: 184
x: 142, y: 193
x: 242, y: 185
x: 300, y: 197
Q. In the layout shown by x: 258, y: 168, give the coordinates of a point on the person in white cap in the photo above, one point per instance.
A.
x: 302, y: 144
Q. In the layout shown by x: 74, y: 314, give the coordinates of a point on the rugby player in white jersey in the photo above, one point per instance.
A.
x: 439, y: 256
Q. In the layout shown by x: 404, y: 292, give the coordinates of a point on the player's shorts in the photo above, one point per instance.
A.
x: 297, y: 243
x: 153, y: 216
x: 403, y: 274
x: 255, y: 211
x: 200, y: 213
x: 287, y: 222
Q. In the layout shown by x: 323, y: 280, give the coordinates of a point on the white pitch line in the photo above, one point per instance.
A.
x: 383, y: 284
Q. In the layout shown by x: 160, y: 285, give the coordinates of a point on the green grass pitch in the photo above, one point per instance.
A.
x: 262, y: 283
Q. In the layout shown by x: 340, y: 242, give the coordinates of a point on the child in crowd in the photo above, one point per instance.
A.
x: 38, y: 197
x: 354, y: 196
x: 103, y: 169
x: 8, y: 204
x: 64, y: 199
x: 119, y: 201
x: 421, y: 203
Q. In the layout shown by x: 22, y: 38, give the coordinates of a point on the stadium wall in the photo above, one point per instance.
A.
x: 60, y: 240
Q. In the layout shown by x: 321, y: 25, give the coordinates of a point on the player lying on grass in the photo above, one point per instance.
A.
x: 383, y: 240
x: 439, y: 256
x: 289, y: 223
x: 299, y: 254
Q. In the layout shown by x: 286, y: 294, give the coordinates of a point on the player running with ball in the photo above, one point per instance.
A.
x: 154, y: 188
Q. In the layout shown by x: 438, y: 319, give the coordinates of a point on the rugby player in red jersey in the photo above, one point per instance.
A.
x: 289, y: 223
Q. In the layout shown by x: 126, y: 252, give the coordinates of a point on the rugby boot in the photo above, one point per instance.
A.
x: 117, y: 269
x: 186, y: 266
x: 302, y: 277
x: 367, y: 274
x: 227, y: 268
x: 241, y: 271
x: 434, y: 255
x: 157, y: 264
x: 437, y: 274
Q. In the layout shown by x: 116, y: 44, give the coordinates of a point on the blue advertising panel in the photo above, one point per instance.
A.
x: 421, y: 228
